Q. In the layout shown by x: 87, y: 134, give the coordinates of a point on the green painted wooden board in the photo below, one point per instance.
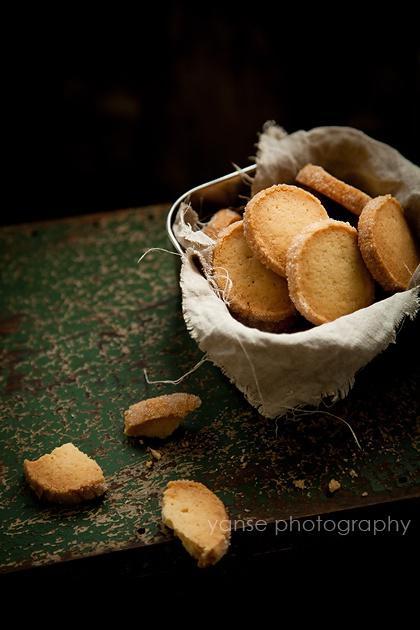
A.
x: 80, y: 319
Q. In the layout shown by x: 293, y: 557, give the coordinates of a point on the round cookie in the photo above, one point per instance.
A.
x: 273, y: 217
x: 258, y: 297
x: 219, y: 221
x: 326, y: 274
x: 320, y: 180
x: 387, y: 246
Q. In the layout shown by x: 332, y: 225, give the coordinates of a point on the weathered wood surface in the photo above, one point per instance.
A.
x: 80, y: 319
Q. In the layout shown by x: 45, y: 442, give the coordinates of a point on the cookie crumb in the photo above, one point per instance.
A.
x: 155, y: 454
x: 334, y: 485
x: 299, y: 483
x: 365, y: 494
x: 149, y: 463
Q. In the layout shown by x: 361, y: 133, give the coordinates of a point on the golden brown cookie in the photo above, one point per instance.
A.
x: 198, y: 518
x: 219, y: 221
x: 159, y: 416
x: 387, y: 245
x: 256, y: 296
x: 66, y: 475
x: 326, y: 274
x: 318, y: 179
x: 272, y: 219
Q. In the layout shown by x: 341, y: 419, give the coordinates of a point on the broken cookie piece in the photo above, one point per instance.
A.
x: 199, y: 519
x: 159, y: 417
x: 66, y: 475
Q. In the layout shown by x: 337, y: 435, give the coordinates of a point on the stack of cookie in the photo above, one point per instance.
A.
x: 286, y: 256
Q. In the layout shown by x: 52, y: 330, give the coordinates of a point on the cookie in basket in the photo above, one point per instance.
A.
x: 387, y: 245
x: 219, y: 221
x: 256, y: 295
x: 326, y: 274
x: 318, y: 179
x: 273, y: 217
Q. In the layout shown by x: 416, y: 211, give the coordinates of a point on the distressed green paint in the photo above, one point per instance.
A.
x: 80, y: 319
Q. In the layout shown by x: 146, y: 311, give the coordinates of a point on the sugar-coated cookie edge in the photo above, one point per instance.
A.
x: 320, y: 180
x: 372, y: 257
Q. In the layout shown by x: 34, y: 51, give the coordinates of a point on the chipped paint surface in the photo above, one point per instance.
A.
x: 79, y: 321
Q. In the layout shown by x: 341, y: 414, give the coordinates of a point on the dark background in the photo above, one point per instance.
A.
x: 141, y: 110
